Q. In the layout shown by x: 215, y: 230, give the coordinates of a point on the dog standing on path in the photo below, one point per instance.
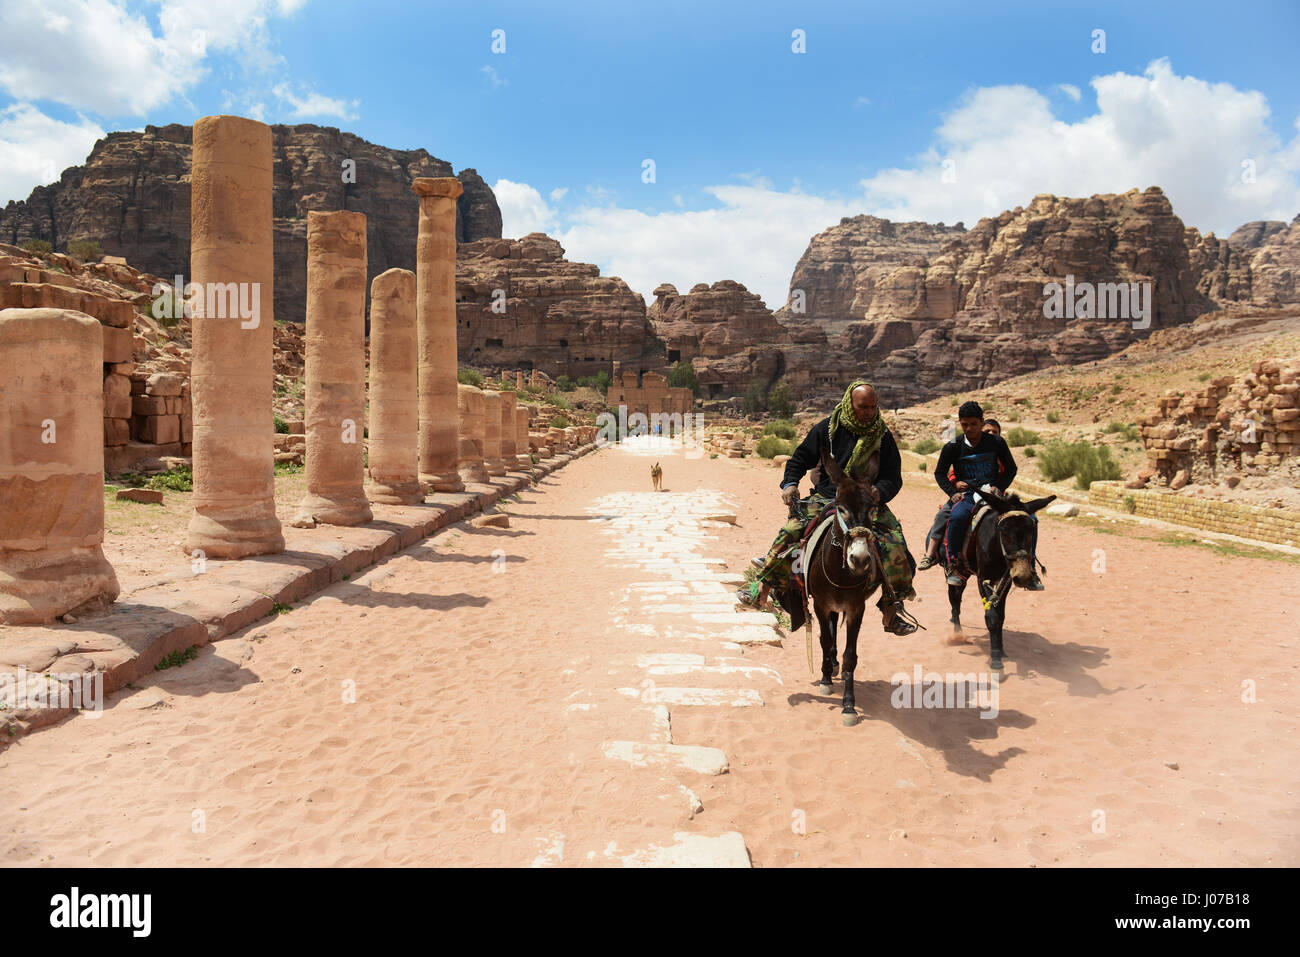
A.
x: 657, y: 477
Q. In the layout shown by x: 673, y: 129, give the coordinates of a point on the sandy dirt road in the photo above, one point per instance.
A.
x: 563, y: 691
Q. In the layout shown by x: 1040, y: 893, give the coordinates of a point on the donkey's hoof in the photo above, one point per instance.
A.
x: 849, y: 719
x: 995, y: 664
x: 824, y: 688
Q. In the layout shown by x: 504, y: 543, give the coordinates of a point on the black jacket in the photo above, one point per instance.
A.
x: 808, y: 456
x: 977, y: 466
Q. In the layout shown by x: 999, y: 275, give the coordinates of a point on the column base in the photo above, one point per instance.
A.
x: 524, y: 461
x: 442, y: 481
x: 395, y: 493
x: 317, y: 509
x: 495, y: 467
x: 221, y: 534
x: 38, y: 586
x: 474, y: 472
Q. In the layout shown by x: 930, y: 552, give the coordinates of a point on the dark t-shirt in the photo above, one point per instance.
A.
x: 808, y: 457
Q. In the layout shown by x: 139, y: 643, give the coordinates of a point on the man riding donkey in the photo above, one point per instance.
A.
x: 979, y: 458
x: 850, y: 435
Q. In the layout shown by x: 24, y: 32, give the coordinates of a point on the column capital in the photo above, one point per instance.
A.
x: 447, y: 187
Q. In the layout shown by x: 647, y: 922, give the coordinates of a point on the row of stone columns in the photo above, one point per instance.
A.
x: 426, y: 431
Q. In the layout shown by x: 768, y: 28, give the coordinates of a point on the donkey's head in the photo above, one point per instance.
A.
x: 856, y: 502
x: 1016, y: 531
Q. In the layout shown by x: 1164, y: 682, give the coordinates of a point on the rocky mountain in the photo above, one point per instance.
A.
x: 132, y: 196
x: 521, y: 305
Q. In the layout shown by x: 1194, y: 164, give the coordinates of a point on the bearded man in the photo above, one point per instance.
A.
x: 850, y: 434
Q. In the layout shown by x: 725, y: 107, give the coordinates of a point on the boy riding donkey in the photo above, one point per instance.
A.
x: 850, y: 434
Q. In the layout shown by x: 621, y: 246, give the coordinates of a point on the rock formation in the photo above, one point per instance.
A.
x: 132, y: 196
x: 521, y: 305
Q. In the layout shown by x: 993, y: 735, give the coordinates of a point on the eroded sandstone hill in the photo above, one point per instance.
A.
x: 132, y: 196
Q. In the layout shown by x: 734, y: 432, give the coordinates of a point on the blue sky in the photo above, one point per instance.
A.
x: 755, y: 147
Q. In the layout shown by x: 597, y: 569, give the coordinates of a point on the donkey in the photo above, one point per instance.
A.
x: 843, y: 570
x: 1002, y: 551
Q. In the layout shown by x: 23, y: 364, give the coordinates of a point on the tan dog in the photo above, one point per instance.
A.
x: 657, y: 477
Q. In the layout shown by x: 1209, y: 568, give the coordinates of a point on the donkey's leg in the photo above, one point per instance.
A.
x: 850, y: 714
x: 835, y: 630
x: 993, y: 618
x: 958, y: 637
x: 826, y: 624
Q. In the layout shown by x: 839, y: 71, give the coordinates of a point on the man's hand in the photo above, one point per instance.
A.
x: 961, y: 486
x: 790, y: 494
x: 873, y: 493
x: 956, y: 497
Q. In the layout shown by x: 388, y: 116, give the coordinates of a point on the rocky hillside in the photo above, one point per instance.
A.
x: 132, y: 196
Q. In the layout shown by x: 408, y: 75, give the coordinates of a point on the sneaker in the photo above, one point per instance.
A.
x: 748, y: 594
x: 929, y: 561
x: 955, y: 579
x: 900, y: 627
x: 758, y: 562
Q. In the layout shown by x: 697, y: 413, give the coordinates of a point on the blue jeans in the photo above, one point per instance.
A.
x: 958, y: 521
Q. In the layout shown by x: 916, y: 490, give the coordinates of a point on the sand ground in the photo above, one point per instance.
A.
x: 485, y: 698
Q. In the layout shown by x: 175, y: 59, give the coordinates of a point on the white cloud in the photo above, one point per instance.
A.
x: 523, y: 210
x: 35, y: 149
x: 559, y: 193
x: 1185, y: 135
x: 1070, y: 90
x: 103, y: 57
x: 495, y: 78
x: 309, y: 104
x: 756, y: 237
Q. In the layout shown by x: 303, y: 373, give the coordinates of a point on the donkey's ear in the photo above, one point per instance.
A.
x: 998, y: 502
x: 1036, y: 504
x: 871, y: 471
x: 831, y: 467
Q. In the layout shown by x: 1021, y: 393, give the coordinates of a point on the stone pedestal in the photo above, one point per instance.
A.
x: 492, y: 433
x: 509, y: 430
x: 470, y: 458
x: 231, y: 377
x: 393, y: 473
x: 435, y: 310
x: 335, y: 370
x: 524, y: 455
x: 51, y: 465
x: 519, y: 381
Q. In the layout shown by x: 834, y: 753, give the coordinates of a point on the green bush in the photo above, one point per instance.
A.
x: 1129, y: 432
x: 1116, y: 389
x: 281, y: 426
x: 37, y: 246
x: 778, y: 401
x: 1086, y: 462
x: 1018, y: 437
x: 683, y: 376
x: 559, y: 422
x: 925, y: 446
x: 1030, y: 452
x: 565, y: 384
x: 1053, y: 417
x: 179, y: 479
x: 84, y: 249
x: 1203, y: 377
x: 603, y: 381
x: 559, y: 401
x: 782, y: 429
x: 470, y: 377
x: 770, y: 445
x: 755, y: 399
x: 167, y: 309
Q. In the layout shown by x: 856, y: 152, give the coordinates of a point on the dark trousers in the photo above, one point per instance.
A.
x: 958, y: 521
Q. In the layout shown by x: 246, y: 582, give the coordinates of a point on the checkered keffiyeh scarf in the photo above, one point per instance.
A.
x: 869, y: 434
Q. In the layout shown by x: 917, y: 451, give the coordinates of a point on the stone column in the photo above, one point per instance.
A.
x: 492, y: 433
x: 435, y: 310
x: 335, y: 370
x: 519, y: 381
x: 393, y: 473
x: 470, y: 457
x: 509, y: 430
x: 232, y: 377
x: 51, y: 465
x: 524, y: 454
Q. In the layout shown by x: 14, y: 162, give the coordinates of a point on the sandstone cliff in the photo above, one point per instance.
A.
x: 133, y: 197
